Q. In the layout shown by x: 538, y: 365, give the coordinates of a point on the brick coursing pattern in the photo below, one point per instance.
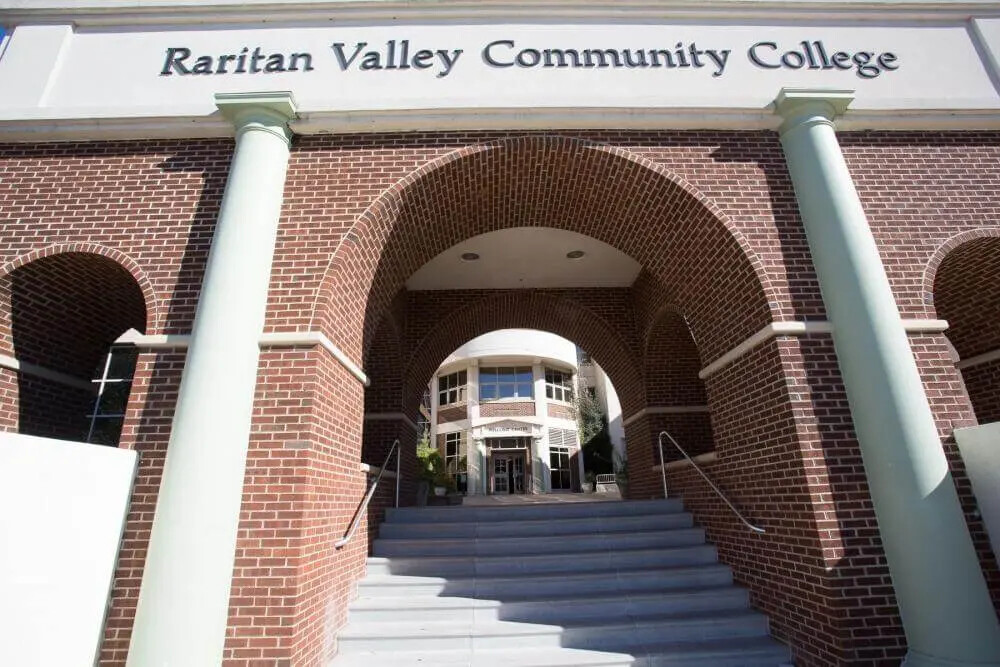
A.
x: 559, y: 411
x: 504, y: 409
x: 710, y: 216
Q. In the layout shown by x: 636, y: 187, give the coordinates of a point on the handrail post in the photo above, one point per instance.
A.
x: 718, y: 491
x: 368, y: 497
x: 663, y: 466
x: 399, y: 466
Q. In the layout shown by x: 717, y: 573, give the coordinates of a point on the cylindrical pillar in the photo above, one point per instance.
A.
x: 942, y: 595
x: 184, y: 599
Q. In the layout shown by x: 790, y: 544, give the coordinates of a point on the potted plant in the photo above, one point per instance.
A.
x: 429, y: 464
x: 588, y: 483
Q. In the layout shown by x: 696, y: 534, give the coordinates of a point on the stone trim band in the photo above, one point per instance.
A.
x: 665, y: 410
x: 28, y: 368
x: 391, y: 416
x: 984, y: 358
x: 268, y: 340
x: 797, y: 328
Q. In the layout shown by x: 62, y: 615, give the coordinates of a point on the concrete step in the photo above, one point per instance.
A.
x: 532, y: 527
x: 546, y: 585
x: 498, y: 546
x: 740, y: 652
x: 610, y: 634
x: 537, y: 527
x: 615, y: 559
x: 550, y: 609
x: 530, y: 511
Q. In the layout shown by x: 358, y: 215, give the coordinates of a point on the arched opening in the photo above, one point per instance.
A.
x: 622, y: 257
x: 517, y: 412
x: 967, y: 295
x: 65, y: 313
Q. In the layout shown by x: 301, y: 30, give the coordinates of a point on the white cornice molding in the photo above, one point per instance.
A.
x: 979, y: 359
x: 797, y: 328
x: 268, y: 340
x: 665, y: 410
x: 391, y: 416
x: 28, y: 368
x: 29, y: 127
x: 186, y: 12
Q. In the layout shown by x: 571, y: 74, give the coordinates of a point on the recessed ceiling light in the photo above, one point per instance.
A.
x: 575, y: 254
x: 470, y: 256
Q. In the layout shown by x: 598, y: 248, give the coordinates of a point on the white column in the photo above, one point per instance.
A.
x: 184, y: 600
x: 942, y: 596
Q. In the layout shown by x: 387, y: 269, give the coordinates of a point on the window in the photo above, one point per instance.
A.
x: 558, y: 385
x: 113, y: 387
x: 559, y: 468
x: 451, y: 388
x: 456, y: 460
x: 497, y: 383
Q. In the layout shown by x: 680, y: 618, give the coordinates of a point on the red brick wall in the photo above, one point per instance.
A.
x: 504, y: 409
x: 559, y: 411
x: 712, y: 218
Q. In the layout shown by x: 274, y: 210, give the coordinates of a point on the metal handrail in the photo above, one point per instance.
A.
x: 371, y: 492
x: 663, y: 471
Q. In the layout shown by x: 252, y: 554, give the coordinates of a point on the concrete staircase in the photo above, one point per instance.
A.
x: 587, y: 583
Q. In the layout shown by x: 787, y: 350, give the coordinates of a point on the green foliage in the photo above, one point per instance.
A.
x: 430, y: 465
x: 594, y: 438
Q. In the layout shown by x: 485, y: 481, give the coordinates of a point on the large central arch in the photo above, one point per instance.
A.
x: 702, y: 262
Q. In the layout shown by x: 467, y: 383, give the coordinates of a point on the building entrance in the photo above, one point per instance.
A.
x: 508, y: 468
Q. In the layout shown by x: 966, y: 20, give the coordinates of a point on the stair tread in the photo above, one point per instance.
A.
x: 749, y: 647
x: 603, y: 536
x: 384, y: 560
x: 410, y: 580
x: 462, y: 602
x: 453, y: 628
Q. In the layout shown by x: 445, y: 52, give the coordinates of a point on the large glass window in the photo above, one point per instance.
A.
x: 559, y: 468
x: 451, y: 388
x: 497, y: 383
x: 558, y: 385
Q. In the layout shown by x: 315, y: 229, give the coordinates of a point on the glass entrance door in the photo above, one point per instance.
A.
x: 501, y: 469
x: 508, y: 473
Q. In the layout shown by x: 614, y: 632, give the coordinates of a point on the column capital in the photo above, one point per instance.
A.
x: 267, y: 111
x: 799, y: 105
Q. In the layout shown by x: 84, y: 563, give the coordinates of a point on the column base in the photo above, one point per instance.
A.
x: 917, y: 659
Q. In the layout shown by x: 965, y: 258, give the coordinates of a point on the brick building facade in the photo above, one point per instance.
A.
x: 101, y: 235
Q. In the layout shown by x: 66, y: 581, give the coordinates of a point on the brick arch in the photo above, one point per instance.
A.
x: 628, y: 202
x: 61, y: 308
x: 944, y: 250
x: 154, y: 312
x: 526, y: 309
x: 672, y: 362
x: 966, y: 293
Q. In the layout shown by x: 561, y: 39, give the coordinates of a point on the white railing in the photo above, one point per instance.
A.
x: 663, y: 472
x: 371, y: 492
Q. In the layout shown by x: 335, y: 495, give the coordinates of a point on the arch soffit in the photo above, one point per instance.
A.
x: 152, y: 302
x: 388, y: 205
x: 420, y: 365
